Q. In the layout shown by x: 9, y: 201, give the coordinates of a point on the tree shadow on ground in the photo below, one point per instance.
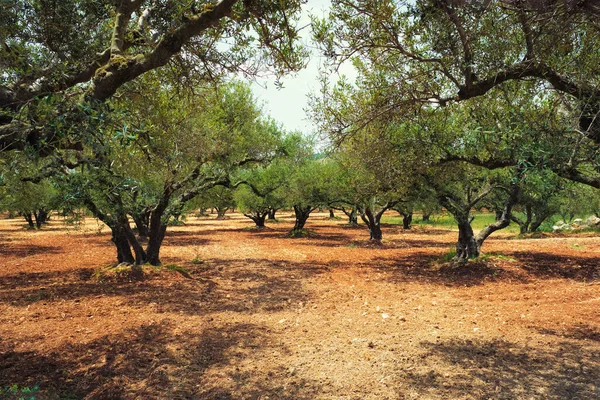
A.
x: 153, y: 361
x: 241, y: 286
x: 526, y: 267
x: 503, y: 370
x: 582, y: 332
x: 185, y: 240
x: 26, y: 250
x: 548, y: 265
x: 247, y: 286
x: 423, y: 268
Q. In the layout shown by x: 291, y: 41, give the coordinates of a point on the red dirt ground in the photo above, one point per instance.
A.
x: 322, y: 317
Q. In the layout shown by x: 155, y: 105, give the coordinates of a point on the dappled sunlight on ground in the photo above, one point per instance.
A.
x: 320, y: 317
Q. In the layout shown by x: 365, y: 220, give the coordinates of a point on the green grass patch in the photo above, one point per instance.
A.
x: 449, y: 256
x: 447, y: 221
x: 16, y: 392
x: 197, y: 260
x: 299, y: 233
x: 177, y: 268
x: 495, y: 256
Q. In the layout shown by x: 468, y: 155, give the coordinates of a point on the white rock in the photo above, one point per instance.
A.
x: 592, y: 220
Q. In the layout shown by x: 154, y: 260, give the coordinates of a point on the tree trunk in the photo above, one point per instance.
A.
x: 331, y: 214
x: 221, y: 212
x: 140, y: 254
x: 426, y: 217
x: 407, y: 220
x: 524, y: 226
x: 272, y: 212
x: 375, y: 233
x: 142, y: 220
x: 258, y: 218
x: 373, y: 222
x: 41, y: 217
x: 504, y: 220
x: 466, y: 247
x: 353, y: 217
x: 155, y: 240
x: 157, y: 231
x: 120, y: 240
x: 29, y: 218
x: 538, y: 220
x: 302, y: 213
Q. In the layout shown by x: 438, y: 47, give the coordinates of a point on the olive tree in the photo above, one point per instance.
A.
x: 170, y: 153
x: 61, y: 59
x: 416, y: 53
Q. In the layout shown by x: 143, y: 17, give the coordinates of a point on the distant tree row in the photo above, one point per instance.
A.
x: 127, y: 109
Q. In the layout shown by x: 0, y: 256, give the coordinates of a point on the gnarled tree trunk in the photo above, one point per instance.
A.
x: 41, y: 217
x: 466, y: 246
x: 352, y: 215
x: 258, y: 218
x: 221, y: 212
x: 142, y: 221
x: 469, y: 245
x: 29, y: 218
x: 302, y: 213
x: 119, y: 238
x: 373, y: 222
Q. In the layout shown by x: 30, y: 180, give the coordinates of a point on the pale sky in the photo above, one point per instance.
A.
x: 287, y: 105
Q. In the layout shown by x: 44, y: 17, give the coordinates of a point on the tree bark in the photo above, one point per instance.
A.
x: 407, y: 220
x: 331, y: 214
x: 142, y: 220
x: 504, y: 220
x: 140, y: 254
x: 272, y: 212
x: 538, y: 220
x: 373, y: 221
x: 221, y: 212
x: 29, y: 218
x: 258, y: 218
x: 467, y: 247
x: 302, y: 213
x: 155, y: 240
x: 119, y: 238
x: 353, y: 217
x: 41, y: 217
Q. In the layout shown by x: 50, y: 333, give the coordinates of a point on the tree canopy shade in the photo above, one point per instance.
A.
x: 55, y: 55
x: 149, y: 162
x: 411, y: 54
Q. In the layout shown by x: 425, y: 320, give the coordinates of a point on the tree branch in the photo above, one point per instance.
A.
x: 124, y: 69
